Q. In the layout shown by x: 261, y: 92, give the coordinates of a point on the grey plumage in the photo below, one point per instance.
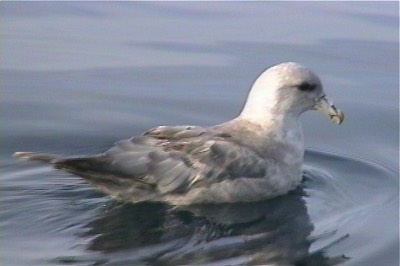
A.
x: 255, y: 156
x: 164, y: 160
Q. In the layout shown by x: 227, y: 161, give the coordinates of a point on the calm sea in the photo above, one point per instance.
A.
x: 77, y: 76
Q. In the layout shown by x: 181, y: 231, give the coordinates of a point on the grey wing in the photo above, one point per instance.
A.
x: 175, y: 159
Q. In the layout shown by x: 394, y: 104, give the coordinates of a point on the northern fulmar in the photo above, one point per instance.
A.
x: 255, y: 156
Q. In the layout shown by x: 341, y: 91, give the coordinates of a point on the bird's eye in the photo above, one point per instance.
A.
x: 306, y: 86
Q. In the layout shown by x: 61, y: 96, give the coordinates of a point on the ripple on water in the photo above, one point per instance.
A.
x: 343, y: 194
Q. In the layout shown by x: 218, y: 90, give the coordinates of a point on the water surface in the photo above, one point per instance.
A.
x: 77, y: 76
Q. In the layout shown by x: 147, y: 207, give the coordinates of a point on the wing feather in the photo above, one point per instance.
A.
x: 172, y: 160
x: 177, y: 158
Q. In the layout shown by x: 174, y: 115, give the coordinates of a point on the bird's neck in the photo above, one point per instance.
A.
x: 271, y: 115
x: 276, y: 125
x: 265, y: 107
x: 268, y: 116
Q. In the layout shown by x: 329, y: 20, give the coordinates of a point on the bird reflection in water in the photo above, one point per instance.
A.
x: 275, y: 232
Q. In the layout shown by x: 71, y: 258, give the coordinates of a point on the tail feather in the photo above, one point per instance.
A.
x: 101, y: 173
x: 40, y: 157
x: 89, y: 164
x: 83, y: 166
x: 76, y: 165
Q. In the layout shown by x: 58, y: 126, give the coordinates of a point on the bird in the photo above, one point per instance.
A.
x: 255, y: 156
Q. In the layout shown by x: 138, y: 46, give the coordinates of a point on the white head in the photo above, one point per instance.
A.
x: 287, y: 90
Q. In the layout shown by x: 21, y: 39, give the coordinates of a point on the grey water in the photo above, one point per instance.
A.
x: 77, y: 76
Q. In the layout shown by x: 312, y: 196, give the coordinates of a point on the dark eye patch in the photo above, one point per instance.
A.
x: 305, y: 86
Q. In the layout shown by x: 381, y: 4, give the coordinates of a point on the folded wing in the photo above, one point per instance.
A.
x: 170, y: 160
